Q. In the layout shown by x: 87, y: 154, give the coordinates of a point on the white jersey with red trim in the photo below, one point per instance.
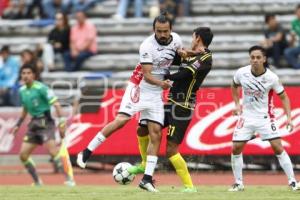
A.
x: 258, y: 91
x: 160, y: 56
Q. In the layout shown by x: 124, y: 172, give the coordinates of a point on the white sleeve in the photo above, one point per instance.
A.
x: 145, y: 54
x: 236, y: 77
x: 277, y: 86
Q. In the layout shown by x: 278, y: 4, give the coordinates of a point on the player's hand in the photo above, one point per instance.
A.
x: 14, y: 130
x: 237, y: 110
x: 290, y: 126
x: 182, y: 52
x: 166, y: 84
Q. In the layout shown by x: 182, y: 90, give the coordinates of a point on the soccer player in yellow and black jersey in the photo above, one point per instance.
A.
x: 179, y: 109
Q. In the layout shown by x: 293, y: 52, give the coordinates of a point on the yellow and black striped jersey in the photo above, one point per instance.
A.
x: 189, y: 78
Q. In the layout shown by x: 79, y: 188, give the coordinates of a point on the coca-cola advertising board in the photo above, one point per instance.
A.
x: 209, y: 133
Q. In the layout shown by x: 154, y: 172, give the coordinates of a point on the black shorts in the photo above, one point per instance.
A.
x: 40, y: 130
x: 177, y: 119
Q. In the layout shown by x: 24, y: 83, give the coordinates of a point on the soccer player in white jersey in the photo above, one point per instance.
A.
x: 144, y: 94
x: 256, y: 115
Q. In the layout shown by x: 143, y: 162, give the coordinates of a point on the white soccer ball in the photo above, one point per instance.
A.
x: 121, y: 175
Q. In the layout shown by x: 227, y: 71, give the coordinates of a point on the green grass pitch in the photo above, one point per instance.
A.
x: 134, y: 193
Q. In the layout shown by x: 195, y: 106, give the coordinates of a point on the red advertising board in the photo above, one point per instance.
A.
x: 209, y: 133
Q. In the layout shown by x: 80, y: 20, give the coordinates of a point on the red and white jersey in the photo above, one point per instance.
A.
x: 258, y: 91
x: 160, y: 56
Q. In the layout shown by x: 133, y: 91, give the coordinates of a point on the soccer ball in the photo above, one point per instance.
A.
x: 121, y: 175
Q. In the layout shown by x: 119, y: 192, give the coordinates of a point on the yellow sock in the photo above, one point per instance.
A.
x: 64, y: 157
x: 143, y: 145
x: 181, y: 170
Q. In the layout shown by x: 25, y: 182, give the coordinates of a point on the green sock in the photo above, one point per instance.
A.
x: 30, y: 166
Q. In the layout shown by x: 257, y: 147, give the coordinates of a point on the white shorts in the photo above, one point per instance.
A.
x: 149, y: 104
x: 247, y: 127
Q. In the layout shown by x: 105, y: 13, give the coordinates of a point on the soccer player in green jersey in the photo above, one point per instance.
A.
x: 37, y: 100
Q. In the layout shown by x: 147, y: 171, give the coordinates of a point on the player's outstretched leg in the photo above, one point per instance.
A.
x: 110, y: 128
x: 83, y: 156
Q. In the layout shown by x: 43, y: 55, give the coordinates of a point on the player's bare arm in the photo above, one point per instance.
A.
x: 20, y: 121
x: 287, y: 109
x: 147, y: 68
x: 236, y: 98
x: 184, y: 53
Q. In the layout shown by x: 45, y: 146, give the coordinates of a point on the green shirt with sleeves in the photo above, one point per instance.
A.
x: 37, y: 99
x: 296, y: 26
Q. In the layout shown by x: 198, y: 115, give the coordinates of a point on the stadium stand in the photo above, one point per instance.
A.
x: 237, y: 25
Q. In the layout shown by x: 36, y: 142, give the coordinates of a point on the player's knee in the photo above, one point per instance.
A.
x: 277, y: 149
x: 277, y: 146
x: 142, y: 131
x: 237, y: 149
x: 172, y: 149
x: 23, y: 156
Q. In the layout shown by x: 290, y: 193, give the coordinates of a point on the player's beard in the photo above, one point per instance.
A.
x: 163, y: 40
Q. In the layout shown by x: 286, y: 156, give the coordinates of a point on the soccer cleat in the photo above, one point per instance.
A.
x: 189, y: 190
x: 37, y: 184
x: 79, y: 161
x: 294, y: 186
x: 136, y: 169
x: 236, y: 188
x: 148, y: 186
x: 70, y: 183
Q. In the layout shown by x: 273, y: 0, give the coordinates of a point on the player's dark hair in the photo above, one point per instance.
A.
x: 259, y: 48
x: 205, y: 34
x: 162, y: 18
x: 268, y: 17
x: 298, y: 6
x: 29, y: 66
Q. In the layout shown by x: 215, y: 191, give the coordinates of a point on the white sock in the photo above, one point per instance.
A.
x: 96, y: 141
x: 150, y: 165
x: 286, y: 165
x: 237, y: 168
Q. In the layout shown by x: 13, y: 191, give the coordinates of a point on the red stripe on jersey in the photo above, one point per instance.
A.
x: 271, y: 105
x: 137, y: 75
